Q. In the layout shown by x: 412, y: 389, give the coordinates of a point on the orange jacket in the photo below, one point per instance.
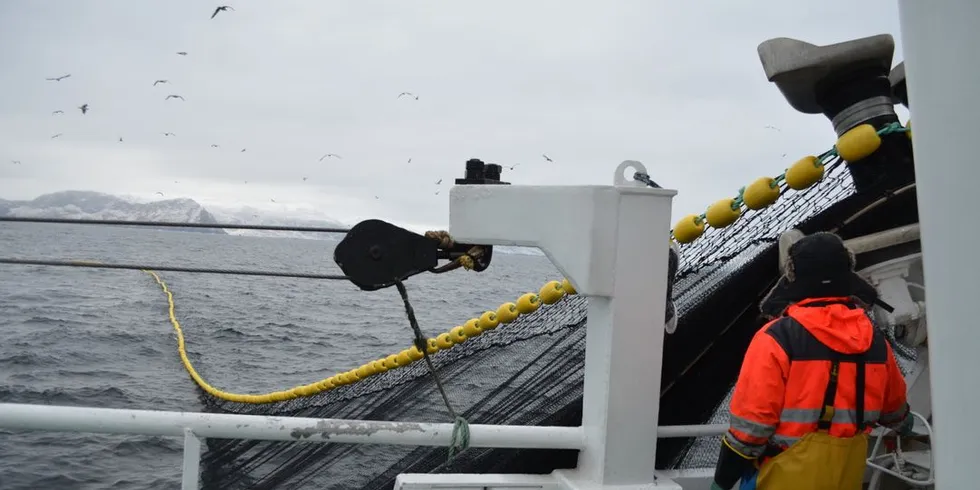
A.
x: 783, y: 384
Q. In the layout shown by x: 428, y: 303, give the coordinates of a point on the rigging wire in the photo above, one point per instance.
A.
x: 172, y: 224
x: 461, y: 429
x: 193, y: 270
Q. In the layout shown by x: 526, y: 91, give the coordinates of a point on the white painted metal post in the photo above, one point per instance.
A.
x: 612, y: 243
x: 942, y: 63
x: 191, y: 479
x: 624, y: 346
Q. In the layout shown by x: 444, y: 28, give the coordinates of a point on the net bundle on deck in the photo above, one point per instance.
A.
x: 530, y: 372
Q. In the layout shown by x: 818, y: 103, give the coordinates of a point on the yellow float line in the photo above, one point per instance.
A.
x: 550, y: 293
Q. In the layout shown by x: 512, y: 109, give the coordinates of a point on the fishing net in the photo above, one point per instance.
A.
x: 530, y: 372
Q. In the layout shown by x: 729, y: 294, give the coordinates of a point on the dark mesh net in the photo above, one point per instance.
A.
x: 537, y: 362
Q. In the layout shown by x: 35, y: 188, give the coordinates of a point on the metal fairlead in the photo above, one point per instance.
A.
x: 376, y: 254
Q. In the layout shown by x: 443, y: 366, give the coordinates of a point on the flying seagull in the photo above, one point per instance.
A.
x: 57, y: 112
x: 120, y: 139
x: 182, y: 53
x: 409, y: 160
x: 214, y: 146
x: 55, y: 136
x: 161, y: 194
x: 408, y: 94
x: 58, y: 79
x: 304, y: 179
x: 514, y: 165
x: 221, y: 9
x: 437, y: 193
x: 546, y: 157
x: 769, y: 126
x: 159, y: 81
x: 16, y: 162
x: 329, y: 155
x: 173, y: 97
x: 438, y: 181
x: 273, y: 200
x: 243, y: 150
x: 84, y: 108
x: 169, y: 134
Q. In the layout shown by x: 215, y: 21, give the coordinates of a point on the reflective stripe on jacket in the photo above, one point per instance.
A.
x: 784, y: 377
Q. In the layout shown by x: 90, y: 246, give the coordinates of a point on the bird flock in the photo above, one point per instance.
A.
x: 85, y: 108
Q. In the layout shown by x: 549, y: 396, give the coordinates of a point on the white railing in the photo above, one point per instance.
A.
x: 195, y: 427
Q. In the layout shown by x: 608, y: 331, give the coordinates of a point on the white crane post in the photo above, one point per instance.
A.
x: 612, y: 243
x: 942, y: 61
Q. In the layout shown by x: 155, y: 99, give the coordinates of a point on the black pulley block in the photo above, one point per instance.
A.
x: 375, y: 254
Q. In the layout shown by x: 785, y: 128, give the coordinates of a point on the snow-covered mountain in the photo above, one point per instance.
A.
x: 96, y: 205
x: 251, y: 216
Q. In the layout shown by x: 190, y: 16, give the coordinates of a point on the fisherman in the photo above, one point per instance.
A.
x: 813, y: 381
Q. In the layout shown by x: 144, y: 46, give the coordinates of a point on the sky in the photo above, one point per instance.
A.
x: 675, y: 85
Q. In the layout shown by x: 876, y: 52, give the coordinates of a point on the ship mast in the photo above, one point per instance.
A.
x: 942, y: 62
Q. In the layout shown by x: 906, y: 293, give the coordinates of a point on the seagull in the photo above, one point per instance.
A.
x: 329, y: 155
x: 514, y: 165
x: 55, y: 136
x: 273, y: 200
x: 120, y: 139
x: 182, y: 53
x: 214, y: 146
x: 255, y: 216
x: 84, y: 108
x: 304, y: 179
x: 409, y: 160
x: 175, y: 182
x: 246, y: 181
x: 438, y: 181
x: 58, y: 79
x: 16, y: 162
x: 769, y: 126
x: 159, y: 81
x: 376, y: 197
x: 243, y: 150
x: 437, y: 193
x: 173, y: 97
x: 161, y: 194
x: 57, y: 112
x: 408, y: 94
x: 221, y: 9
x: 546, y: 157
x: 169, y: 134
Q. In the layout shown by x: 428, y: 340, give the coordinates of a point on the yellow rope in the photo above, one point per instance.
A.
x: 550, y: 293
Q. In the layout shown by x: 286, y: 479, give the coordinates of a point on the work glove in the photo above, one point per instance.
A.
x: 908, y: 424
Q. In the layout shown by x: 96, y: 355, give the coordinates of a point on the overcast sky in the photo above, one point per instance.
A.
x: 676, y: 85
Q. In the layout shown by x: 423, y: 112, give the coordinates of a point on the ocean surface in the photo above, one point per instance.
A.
x: 96, y: 337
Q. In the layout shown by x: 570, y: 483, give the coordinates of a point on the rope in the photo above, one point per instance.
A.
x: 528, y: 303
x: 461, y: 428
x: 171, y: 224
x: 195, y: 270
